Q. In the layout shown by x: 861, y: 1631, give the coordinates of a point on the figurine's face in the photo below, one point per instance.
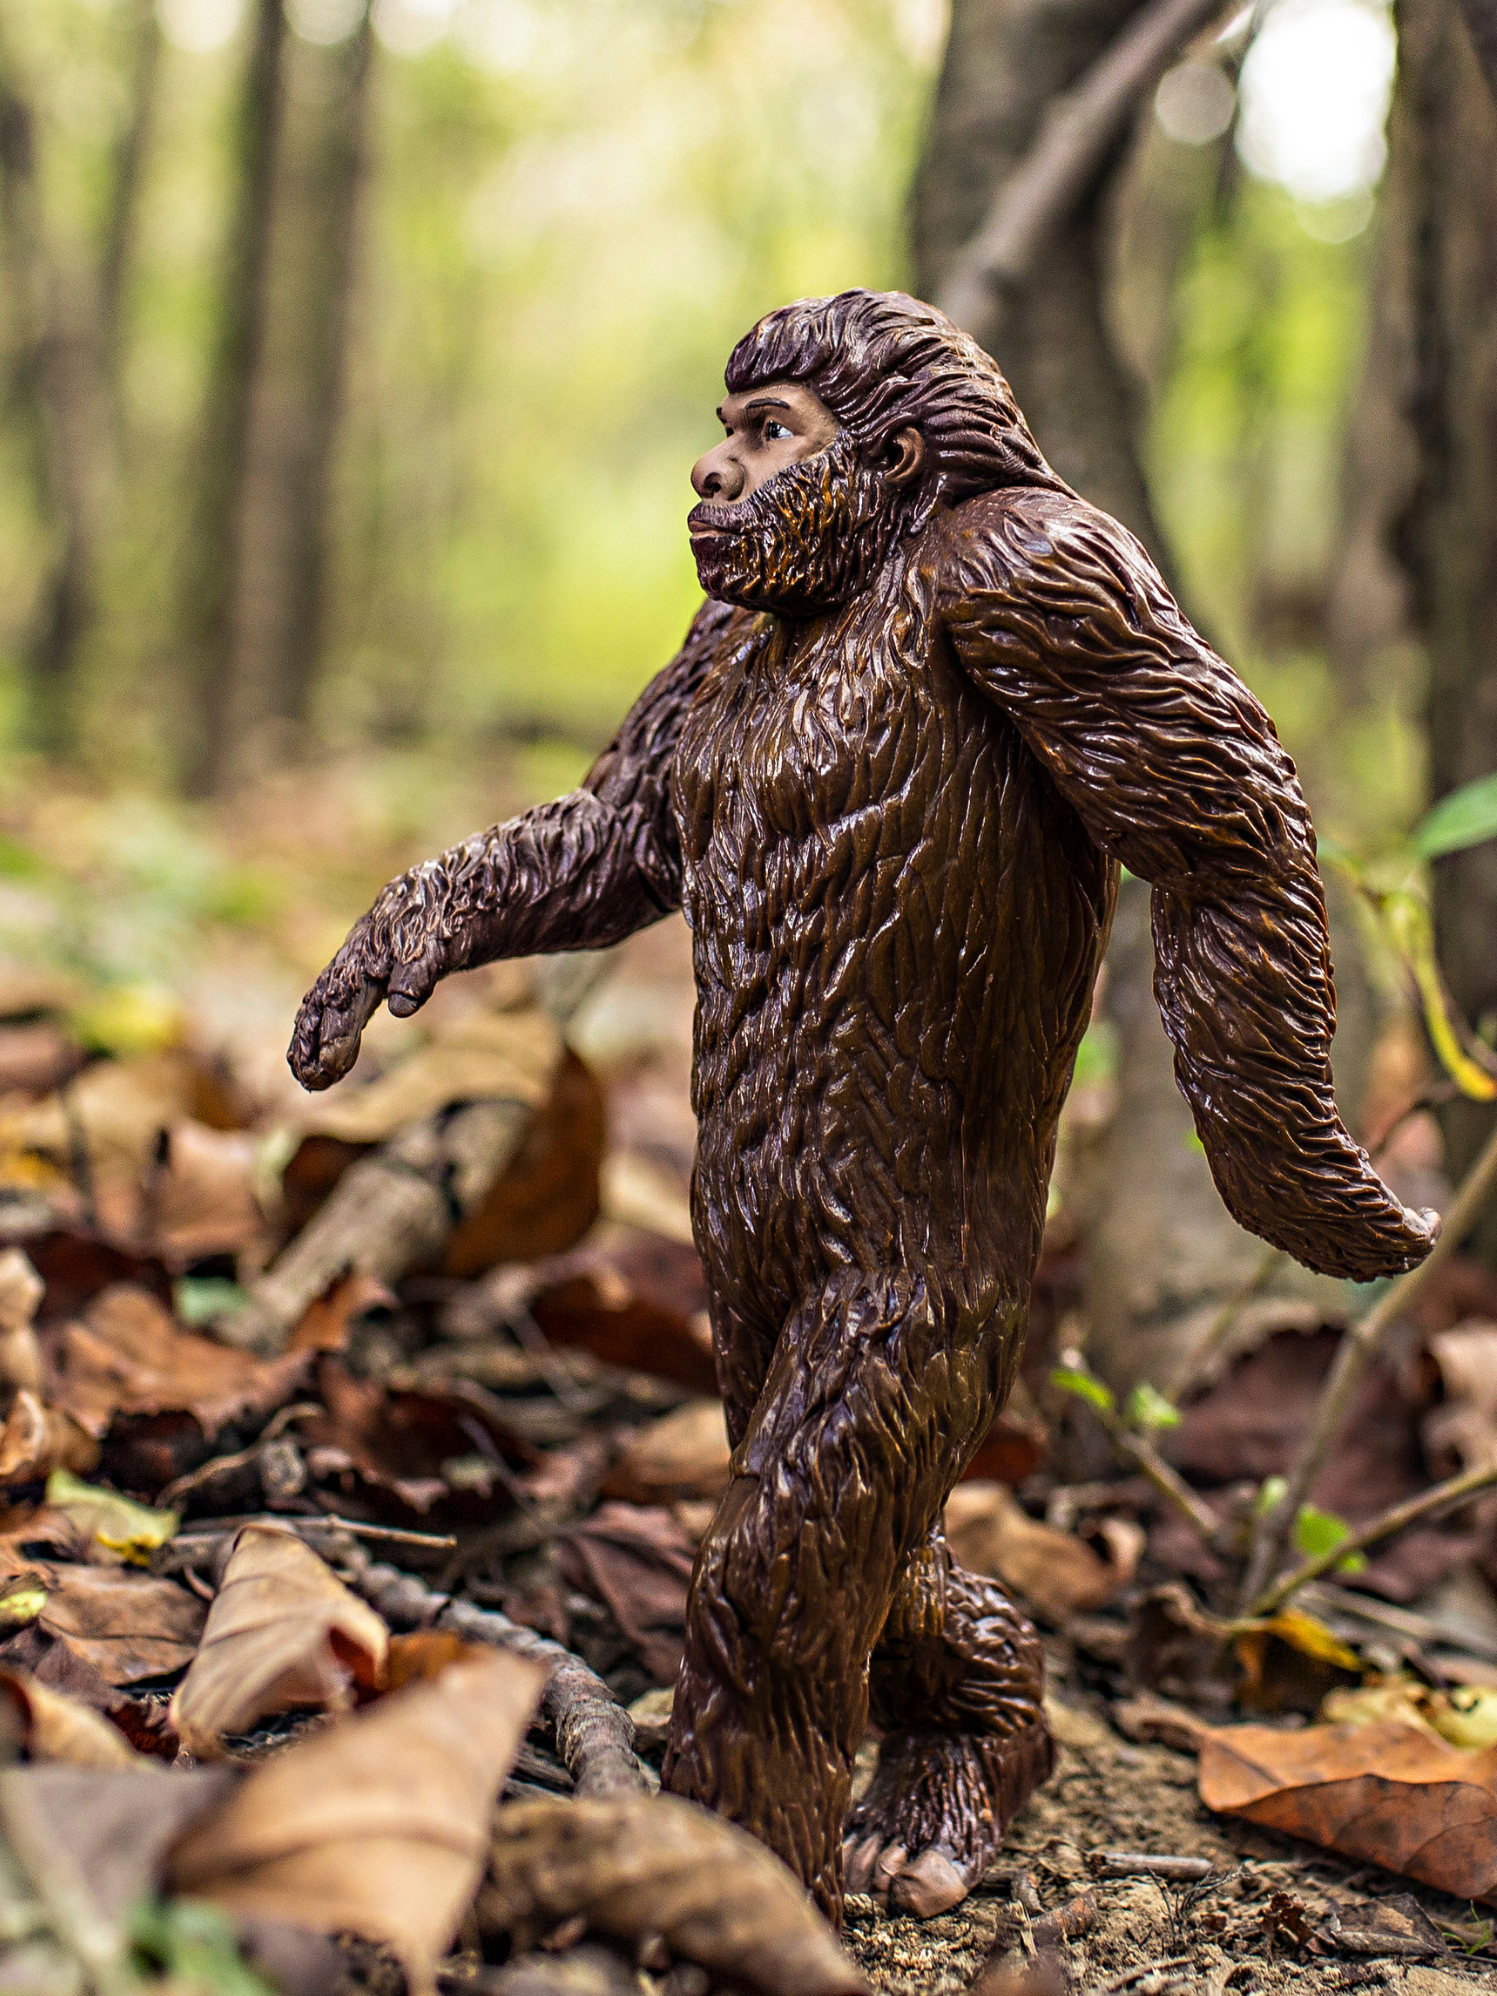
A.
x: 768, y: 429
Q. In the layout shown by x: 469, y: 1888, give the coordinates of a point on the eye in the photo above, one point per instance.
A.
x: 773, y: 431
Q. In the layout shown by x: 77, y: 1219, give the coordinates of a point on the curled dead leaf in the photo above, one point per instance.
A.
x: 283, y: 1631
x: 60, y: 1728
x: 128, y: 1356
x: 379, y: 1826
x: 1057, y: 1574
x: 39, y: 1438
x: 637, y: 1865
x: 683, y: 1455
x: 1382, y: 1794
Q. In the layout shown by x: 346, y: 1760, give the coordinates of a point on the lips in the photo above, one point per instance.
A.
x: 708, y: 522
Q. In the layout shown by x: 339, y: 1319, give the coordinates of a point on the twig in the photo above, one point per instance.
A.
x: 594, y: 1734
x: 1169, y: 1483
x: 1079, y: 129
x: 1356, y: 1349
x: 1144, y: 1864
x: 1382, y: 1527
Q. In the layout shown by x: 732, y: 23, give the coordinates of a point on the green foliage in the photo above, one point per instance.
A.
x: 192, y: 1945
x: 1147, y: 1408
x: 1467, y: 817
x: 1318, y: 1532
x: 1085, y: 1387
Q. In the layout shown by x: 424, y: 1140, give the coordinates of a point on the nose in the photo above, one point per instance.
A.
x: 716, y: 475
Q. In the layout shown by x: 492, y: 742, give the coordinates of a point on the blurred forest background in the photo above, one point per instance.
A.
x: 355, y: 357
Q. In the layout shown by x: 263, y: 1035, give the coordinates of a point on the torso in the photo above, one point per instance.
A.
x: 896, y: 925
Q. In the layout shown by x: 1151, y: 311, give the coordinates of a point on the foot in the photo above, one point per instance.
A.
x: 933, y: 1818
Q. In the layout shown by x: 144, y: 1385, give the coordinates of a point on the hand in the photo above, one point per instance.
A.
x: 334, y: 1013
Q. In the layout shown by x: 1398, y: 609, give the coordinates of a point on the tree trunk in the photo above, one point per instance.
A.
x: 213, y: 558
x: 121, y: 222
x: 275, y: 589
x: 55, y: 381
x: 1439, y: 297
x: 1164, y: 1256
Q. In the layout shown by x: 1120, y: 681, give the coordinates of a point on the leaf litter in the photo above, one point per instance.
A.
x: 421, y: 1558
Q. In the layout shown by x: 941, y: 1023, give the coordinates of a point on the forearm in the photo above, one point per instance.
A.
x: 574, y: 874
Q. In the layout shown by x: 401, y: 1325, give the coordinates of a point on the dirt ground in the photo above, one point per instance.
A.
x: 1109, y: 1795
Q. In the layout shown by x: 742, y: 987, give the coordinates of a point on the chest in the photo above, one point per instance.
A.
x: 795, y: 742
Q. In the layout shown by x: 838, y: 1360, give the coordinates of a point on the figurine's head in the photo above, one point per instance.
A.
x: 849, y: 420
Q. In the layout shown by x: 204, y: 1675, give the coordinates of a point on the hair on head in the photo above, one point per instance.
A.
x: 882, y: 362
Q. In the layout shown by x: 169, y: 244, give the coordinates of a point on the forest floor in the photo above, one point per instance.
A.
x: 523, y: 1426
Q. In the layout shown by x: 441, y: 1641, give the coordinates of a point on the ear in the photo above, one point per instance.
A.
x: 906, y: 457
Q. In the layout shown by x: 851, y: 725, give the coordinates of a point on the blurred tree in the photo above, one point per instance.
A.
x: 65, y: 314
x: 215, y: 547
x: 1163, y: 1254
x: 276, y: 608
x: 1437, y: 286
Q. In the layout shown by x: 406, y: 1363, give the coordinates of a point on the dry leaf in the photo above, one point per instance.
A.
x: 638, y: 1562
x: 1461, y: 1433
x: 1057, y: 1574
x: 283, y: 1631
x: 201, y: 1198
x: 127, y: 1625
x: 59, y: 1728
x: 1381, y: 1794
x: 684, y: 1454
x: 128, y: 1356
x: 21, y: 1292
x: 653, y: 1864
x: 1465, y: 1717
x: 326, y: 1322
x: 39, y: 1438
x: 116, y: 1523
x: 379, y: 1826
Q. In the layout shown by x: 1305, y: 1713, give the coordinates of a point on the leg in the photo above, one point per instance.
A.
x: 874, y: 1397
x: 956, y: 1686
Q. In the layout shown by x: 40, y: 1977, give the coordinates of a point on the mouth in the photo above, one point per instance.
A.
x: 706, y: 522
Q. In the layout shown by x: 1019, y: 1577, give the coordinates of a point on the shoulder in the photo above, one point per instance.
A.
x: 1020, y: 541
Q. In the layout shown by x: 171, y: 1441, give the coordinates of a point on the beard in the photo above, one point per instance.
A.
x: 811, y: 537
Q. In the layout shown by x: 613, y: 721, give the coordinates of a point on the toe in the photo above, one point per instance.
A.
x: 890, y: 1863
x: 928, y: 1885
x: 859, y: 1856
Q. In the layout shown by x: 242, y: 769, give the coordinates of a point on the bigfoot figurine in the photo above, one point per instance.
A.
x: 933, y: 702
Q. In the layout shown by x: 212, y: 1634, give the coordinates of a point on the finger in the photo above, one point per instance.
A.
x: 411, y: 984
x: 860, y: 1858
x: 929, y: 1885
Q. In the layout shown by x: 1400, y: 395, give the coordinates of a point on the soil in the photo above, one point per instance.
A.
x: 1107, y: 1794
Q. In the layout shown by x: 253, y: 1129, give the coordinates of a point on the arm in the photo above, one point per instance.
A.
x: 1174, y: 769
x: 580, y: 873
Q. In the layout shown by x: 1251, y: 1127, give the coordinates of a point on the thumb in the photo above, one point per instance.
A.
x: 411, y: 984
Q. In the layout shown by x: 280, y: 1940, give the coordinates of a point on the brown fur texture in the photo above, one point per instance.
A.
x: 891, y: 789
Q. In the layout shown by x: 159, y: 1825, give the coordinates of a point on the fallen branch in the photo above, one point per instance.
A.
x: 396, y: 1210
x: 1357, y: 1348
x: 1144, y: 1864
x: 1079, y: 130
x: 1440, y: 1498
x: 594, y: 1734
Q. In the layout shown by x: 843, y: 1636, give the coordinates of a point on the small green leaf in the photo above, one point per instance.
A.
x: 1085, y: 1387
x: 1271, y: 1493
x: 1466, y: 817
x: 198, y: 1299
x: 1318, y: 1532
x: 194, y: 1946
x: 1146, y: 1407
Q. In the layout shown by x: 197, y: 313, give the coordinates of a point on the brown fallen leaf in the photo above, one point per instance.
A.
x: 39, y: 1438
x: 127, y: 1356
x: 1057, y: 1574
x: 1397, y: 1926
x: 21, y: 1292
x: 653, y: 1864
x: 60, y: 1728
x: 283, y: 1631
x: 326, y: 1322
x: 1381, y: 1794
x: 379, y: 1826
x: 126, y: 1624
x: 405, y: 1443
x: 638, y: 1562
x: 683, y: 1455
x: 199, y: 1197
